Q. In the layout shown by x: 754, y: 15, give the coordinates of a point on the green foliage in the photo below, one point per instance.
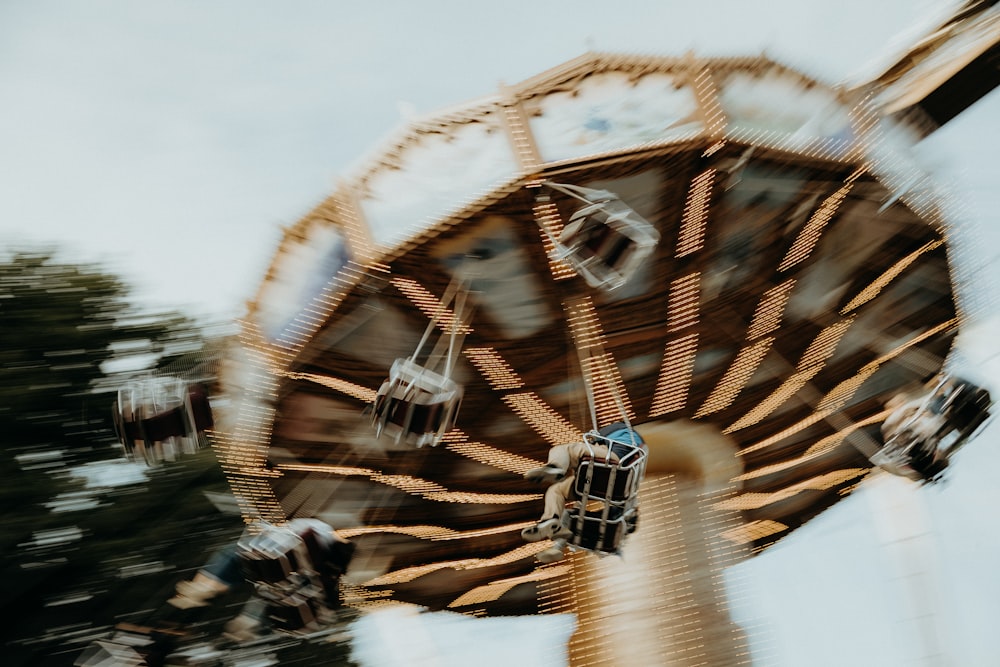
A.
x: 60, y: 324
x: 118, y: 560
x: 63, y: 327
x: 68, y: 340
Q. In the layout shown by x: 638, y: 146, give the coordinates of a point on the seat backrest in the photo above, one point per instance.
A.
x: 614, y: 466
x: 415, y: 404
x: 594, y: 534
x: 271, y: 556
x: 606, y: 241
x: 603, y: 480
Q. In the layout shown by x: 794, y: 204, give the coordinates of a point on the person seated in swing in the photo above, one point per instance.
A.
x: 918, y: 422
x: 909, y: 436
x: 236, y: 565
x: 559, y: 473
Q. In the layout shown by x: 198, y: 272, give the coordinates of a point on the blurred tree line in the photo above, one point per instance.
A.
x: 76, y: 559
x: 63, y: 329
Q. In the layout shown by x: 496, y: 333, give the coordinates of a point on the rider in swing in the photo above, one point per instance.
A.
x: 560, y: 474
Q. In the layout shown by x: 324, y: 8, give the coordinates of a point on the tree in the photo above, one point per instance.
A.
x: 60, y: 324
x: 64, y: 327
x: 68, y: 340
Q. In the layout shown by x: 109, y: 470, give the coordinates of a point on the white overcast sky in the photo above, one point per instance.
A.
x: 172, y: 140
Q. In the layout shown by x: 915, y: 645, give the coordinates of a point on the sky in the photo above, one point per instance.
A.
x: 172, y: 141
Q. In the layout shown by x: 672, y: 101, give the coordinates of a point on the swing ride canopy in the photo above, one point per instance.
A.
x: 800, y: 279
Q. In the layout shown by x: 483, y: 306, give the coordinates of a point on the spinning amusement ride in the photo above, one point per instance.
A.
x: 739, y: 261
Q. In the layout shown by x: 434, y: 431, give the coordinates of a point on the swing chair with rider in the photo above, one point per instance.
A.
x: 921, y: 434
x: 600, y: 502
x: 295, y: 569
x: 607, y: 489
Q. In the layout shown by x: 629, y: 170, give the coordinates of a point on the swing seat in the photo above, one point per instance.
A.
x: 415, y: 405
x: 604, y: 535
x: 613, y: 478
x: 894, y: 457
x: 605, y: 241
x: 293, y: 614
x: 958, y: 408
x: 965, y: 405
x: 151, y: 431
x: 272, y: 557
x: 607, y: 489
x: 130, y: 645
x: 600, y: 479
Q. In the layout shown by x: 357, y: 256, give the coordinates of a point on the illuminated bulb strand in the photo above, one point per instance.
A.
x: 752, y: 501
x: 840, y: 394
x: 767, y: 317
x: 496, y: 589
x: 600, y: 372
x: 235, y: 458
x: 377, y: 605
x: 431, y: 306
x: 556, y: 596
x: 675, y: 375
x: 895, y: 170
x: 414, y: 485
x: 457, y: 441
x: 312, y: 317
x: 550, y: 227
x: 521, y: 138
x: 717, y: 521
x: 545, y: 421
x: 492, y: 366
x: 343, y: 386
x: 818, y: 449
x: 827, y: 444
x: 433, y: 533
x: 357, y: 232
x: 532, y: 410
x: 812, y: 362
x: 677, y: 365
x: 736, y: 376
x: 708, y: 98
x: 253, y: 426
x: 870, y: 292
x: 252, y: 433
x: 816, y: 147
x: 863, y: 118
x: 692, y: 233
x: 243, y: 453
x: 754, y: 530
x: 362, y: 598
x: 804, y: 243
x: 253, y: 493
x: 837, y: 397
x: 683, y: 304
x: 410, y: 573
x: 843, y: 391
x: 256, y: 499
x: 713, y: 149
